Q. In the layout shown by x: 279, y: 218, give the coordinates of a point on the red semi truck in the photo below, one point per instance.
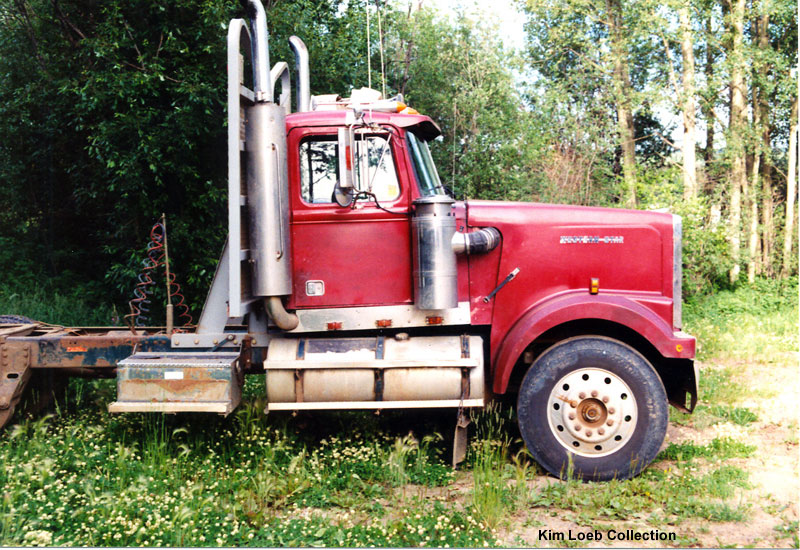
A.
x: 353, y: 281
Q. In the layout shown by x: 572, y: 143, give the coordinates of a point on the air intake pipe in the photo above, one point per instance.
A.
x: 478, y: 242
x: 267, y: 181
x: 303, y: 74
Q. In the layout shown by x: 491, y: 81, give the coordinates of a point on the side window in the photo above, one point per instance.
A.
x: 319, y: 169
x: 374, y: 171
x: 380, y: 176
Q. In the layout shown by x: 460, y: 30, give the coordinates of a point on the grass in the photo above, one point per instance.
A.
x: 758, y: 321
x: 84, y: 477
x: 497, y: 484
x: 57, y: 308
x: 659, y: 496
x: 718, y: 448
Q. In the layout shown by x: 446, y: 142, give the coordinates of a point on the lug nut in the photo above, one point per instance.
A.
x: 594, y: 393
x: 572, y: 416
x: 611, y: 410
x: 601, y: 431
x: 610, y: 423
x: 581, y: 395
x: 577, y: 427
x: 605, y: 399
x: 573, y: 404
x: 589, y: 432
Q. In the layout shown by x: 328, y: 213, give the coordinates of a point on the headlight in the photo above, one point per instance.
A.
x: 677, y: 271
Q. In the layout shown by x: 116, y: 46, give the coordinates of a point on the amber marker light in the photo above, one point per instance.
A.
x: 434, y: 320
x: 594, y: 287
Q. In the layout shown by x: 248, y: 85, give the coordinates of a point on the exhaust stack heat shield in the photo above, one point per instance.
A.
x: 435, y: 274
x: 268, y: 200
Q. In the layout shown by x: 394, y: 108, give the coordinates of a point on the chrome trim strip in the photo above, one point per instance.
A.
x: 677, y: 271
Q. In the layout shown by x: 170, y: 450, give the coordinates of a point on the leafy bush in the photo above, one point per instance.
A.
x: 705, y: 249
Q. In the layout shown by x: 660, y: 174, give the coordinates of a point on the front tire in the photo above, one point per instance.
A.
x: 594, y: 401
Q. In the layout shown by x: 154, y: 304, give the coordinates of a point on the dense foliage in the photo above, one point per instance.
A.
x: 112, y: 113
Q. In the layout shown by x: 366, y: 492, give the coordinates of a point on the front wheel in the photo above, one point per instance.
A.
x: 595, y: 402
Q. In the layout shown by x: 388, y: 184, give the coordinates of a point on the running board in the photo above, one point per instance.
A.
x: 169, y: 407
x: 366, y: 405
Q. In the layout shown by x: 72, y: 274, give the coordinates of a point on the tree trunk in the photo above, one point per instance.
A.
x: 708, y: 104
x: 753, y: 258
x: 767, y: 212
x: 687, y: 51
x: 737, y: 128
x: 622, y: 98
x: 791, y: 190
x: 761, y: 110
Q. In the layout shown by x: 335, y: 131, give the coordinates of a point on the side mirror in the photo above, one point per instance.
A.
x: 343, y: 191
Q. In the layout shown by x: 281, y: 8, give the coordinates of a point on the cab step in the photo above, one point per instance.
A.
x: 179, y: 382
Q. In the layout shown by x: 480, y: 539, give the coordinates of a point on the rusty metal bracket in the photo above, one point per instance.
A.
x: 380, y: 345
x: 378, y: 385
x: 465, y: 346
x: 298, y: 385
x: 460, y: 438
x: 246, y: 354
x: 15, y: 372
x: 462, y: 421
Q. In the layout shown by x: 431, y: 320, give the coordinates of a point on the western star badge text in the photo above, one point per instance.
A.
x: 591, y: 239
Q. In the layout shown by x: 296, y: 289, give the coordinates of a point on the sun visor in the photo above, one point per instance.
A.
x: 425, y: 128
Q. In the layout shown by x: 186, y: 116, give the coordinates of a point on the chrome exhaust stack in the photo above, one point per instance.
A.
x: 267, y: 180
x: 259, y: 43
x: 303, y: 74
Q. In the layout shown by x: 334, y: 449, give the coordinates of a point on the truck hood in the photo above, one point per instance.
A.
x: 559, y: 249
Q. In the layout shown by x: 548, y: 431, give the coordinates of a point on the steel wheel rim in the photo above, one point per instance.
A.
x: 592, y: 412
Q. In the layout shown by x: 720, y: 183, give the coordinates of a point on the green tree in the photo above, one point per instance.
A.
x: 460, y: 74
x: 112, y: 113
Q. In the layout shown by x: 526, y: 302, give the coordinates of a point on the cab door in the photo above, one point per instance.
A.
x: 348, y: 256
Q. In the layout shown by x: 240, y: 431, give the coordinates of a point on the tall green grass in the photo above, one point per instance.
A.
x: 56, y: 308
x: 758, y: 321
x: 85, y: 477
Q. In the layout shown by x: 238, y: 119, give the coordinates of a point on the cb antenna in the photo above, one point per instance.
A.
x: 380, y: 44
x: 369, y: 51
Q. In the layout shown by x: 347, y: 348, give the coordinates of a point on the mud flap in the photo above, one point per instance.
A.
x: 460, y: 438
x: 680, y: 378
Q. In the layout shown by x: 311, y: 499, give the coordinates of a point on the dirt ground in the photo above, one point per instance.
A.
x: 773, y: 394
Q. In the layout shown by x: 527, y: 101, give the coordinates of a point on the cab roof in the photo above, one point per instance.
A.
x: 421, y: 125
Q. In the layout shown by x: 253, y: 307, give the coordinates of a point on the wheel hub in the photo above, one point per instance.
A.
x: 592, y: 412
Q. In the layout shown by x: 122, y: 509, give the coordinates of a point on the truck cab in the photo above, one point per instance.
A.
x: 351, y: 280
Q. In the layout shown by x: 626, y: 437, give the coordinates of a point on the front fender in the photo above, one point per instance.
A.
x: 572, y: 307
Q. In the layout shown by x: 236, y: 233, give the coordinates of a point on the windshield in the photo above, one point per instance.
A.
x: 424, y: 169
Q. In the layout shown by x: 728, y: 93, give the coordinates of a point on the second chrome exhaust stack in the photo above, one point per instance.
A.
x: 303, y: 74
